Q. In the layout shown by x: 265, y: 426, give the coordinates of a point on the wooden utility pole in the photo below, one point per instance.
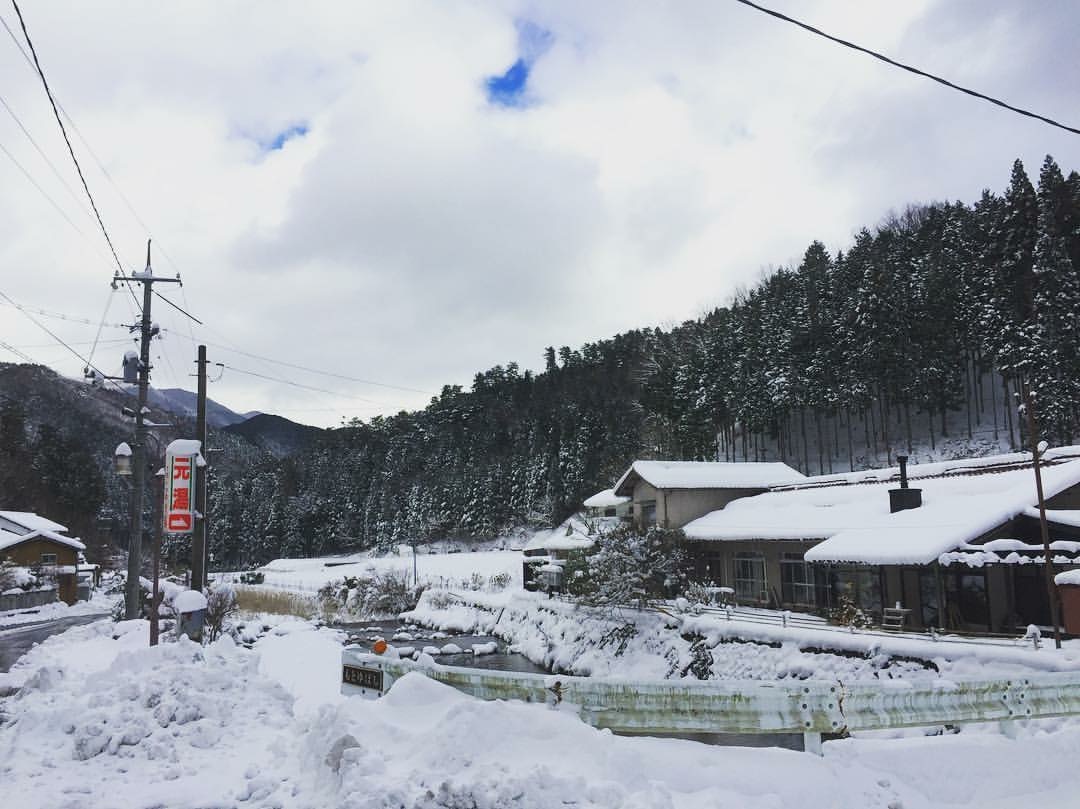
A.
x: 198, y: 541
x: 1048, y: 567
x: 159, y: 519
x: 132, y: 592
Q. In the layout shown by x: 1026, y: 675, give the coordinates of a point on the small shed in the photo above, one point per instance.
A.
x: 34, y: 542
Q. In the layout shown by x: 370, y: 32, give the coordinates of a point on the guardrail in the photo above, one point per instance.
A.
x: 812, y: 708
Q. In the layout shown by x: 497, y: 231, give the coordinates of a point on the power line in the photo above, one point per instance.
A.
x: 41, y: 190
x: 117, y: 341
x: 89, y: 365
x: 296, y: 367
x: 63, y: 316
x: 40, y: 151
x: 63, y: 131
x: 18, y: 353
x: 296, y: 384
x: 908, y: 68
x: 178, y: 309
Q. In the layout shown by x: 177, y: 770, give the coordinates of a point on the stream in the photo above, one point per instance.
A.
x: 365, y: 633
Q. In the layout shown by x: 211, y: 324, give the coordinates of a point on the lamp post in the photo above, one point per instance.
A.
x: 122, y: 466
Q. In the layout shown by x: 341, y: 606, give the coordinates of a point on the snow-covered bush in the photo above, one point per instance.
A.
x: 848, y: 613
x: 220, y: 606
x: 628, y: 566
x: 376, y: 594
x: 697, y: 593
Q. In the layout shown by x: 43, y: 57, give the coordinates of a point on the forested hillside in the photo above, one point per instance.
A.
x: 920, y: 333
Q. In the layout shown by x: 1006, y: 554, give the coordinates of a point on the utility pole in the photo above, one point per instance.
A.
x: 132, y: 597
x: 159, y: 520
x: 1048, y: 567
x: 198, y: 541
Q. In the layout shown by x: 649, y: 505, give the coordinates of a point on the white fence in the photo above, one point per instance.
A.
x: 810, y: 707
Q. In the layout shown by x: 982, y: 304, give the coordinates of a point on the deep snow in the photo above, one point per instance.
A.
x: 102, y: 721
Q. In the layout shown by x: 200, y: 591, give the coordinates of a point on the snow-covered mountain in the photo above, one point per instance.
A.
x: 183, y: 403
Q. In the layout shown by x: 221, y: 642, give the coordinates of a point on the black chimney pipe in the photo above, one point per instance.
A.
x: 904, y: 498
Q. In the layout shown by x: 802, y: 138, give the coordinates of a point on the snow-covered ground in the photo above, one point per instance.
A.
x: 102, y: 721
x: 98, y: 604
x: 631, y: 644
x: 308, y: 575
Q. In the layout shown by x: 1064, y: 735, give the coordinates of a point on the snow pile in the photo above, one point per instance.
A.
x: 174, y: 725
x: 104, y: 721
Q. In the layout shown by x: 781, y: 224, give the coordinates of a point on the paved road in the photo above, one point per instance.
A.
x: 15, y: 642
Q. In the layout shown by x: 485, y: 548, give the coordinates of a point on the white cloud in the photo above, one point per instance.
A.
x: 417, y: 234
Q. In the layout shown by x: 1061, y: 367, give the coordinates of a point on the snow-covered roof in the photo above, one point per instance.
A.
x: 1068, y: 577
x: 708, y: 475
x: 856, y: 526
x: 957, y: 466
x: 31, y: 521
x: 9, y: 539
x: 1056, y: 516
x: 605, y: 499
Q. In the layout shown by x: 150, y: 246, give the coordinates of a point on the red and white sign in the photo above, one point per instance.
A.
x: 180, y: 494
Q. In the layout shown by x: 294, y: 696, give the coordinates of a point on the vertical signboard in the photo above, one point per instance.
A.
x: 180, y: 493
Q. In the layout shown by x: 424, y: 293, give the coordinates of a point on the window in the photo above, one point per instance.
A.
x: 609, y: 511
x: 861, y: 584
x: 48, y: 558
x: 750, y: 577
x: 648, y: 513
x: 797, y: 581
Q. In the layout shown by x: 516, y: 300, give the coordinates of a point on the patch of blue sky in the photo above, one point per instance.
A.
x: 510, y: 88
x: 277, y: 141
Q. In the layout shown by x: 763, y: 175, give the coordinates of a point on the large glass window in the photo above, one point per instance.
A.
x: 797, y: 581
x: 928, y: 598
x: 966, y: 594
x: 861, y: 584
x: 750, y: 584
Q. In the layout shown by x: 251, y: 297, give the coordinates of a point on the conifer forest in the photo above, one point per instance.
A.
x: 921, y: 335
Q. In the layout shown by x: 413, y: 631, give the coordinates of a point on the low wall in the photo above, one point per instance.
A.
x: 26, y: 601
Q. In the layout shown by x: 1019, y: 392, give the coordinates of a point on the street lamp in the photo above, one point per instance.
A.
x: 122, y: 459
x: 122, y: 466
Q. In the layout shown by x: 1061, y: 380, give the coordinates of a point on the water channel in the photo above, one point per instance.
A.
x: 365, y: 633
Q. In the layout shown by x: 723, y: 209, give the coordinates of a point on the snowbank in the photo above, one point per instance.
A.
x: 181, y: 725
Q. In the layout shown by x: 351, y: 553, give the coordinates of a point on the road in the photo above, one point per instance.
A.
x: 15, y: 642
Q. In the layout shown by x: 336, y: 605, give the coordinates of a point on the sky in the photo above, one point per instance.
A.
x: 409, y: 193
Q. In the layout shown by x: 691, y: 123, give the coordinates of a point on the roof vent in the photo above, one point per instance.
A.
x: 904, y: 498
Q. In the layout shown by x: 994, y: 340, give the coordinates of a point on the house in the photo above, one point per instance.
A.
x: 670, y: 494
x: 34, y: 542
x: 960, y: 549
x: 607, y: 505
x: 545, y: 555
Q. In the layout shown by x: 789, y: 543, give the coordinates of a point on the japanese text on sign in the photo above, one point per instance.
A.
x: 179, y: 503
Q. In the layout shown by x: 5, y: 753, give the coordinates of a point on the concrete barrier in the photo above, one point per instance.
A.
x: 810, y: 707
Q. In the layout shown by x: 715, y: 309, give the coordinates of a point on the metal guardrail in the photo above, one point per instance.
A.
x: 813, y: 708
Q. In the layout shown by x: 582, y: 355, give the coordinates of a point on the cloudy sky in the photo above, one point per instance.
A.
x: 410, y: 192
